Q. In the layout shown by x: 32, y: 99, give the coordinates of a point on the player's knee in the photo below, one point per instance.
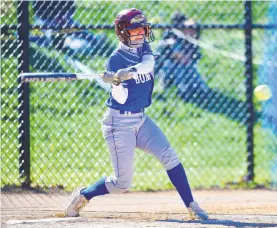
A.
x: 118, y: 190
x: 118, y: 185
x: 122, y: 185
x: 169, y: 158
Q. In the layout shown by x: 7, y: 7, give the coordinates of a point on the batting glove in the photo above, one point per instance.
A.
x: 125, y: 74
x: 110, y: 77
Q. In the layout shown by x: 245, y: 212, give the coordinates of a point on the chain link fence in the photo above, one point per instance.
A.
x: 200, y: 97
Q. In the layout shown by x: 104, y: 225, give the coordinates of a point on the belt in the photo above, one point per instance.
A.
x: 131, y: 112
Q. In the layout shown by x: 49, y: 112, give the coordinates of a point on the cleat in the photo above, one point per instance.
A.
x: 77, y: 203
x: 196, y: 212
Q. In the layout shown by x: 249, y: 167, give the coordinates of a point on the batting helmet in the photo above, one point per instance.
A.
x: 131, y: 19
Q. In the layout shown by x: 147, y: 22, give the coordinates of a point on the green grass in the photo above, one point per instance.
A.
x: 209, y: 11
x: 67, y: 147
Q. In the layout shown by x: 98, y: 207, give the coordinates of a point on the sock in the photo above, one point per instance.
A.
x: 97, y: 189
x: 178, y: 178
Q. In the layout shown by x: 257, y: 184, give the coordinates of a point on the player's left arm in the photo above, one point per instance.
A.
x: 147, y: 61
x: 145, y: 66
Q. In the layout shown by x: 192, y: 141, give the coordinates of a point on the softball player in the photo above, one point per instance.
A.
x: 125, y: 125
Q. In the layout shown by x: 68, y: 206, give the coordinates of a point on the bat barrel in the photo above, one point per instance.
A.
x: 47, y: 77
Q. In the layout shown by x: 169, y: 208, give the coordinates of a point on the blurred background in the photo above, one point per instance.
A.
x: 210, y: 56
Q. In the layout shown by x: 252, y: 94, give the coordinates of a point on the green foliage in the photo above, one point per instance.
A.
x: 67, y: 147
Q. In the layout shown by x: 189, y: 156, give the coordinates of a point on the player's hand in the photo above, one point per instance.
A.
x: 110, y: 77
x: 124, y: 74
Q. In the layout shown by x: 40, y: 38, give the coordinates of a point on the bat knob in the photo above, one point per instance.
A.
x: 116, y: 81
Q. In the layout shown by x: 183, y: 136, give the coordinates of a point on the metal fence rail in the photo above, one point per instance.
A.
x: 203, y: 101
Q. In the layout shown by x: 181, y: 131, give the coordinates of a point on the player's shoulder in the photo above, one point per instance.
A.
x: 114, y: 57
x: 114, y: 53
x: 146, y: 49
x: 114, y: 62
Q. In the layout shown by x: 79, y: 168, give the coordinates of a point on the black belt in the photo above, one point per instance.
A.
x: 132, y: 112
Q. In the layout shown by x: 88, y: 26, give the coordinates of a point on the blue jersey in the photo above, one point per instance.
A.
x: 140, y: 88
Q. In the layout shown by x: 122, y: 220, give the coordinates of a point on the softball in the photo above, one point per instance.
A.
x: 262, y: 92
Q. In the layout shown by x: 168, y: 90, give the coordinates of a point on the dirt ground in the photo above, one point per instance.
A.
x: 227, y: 208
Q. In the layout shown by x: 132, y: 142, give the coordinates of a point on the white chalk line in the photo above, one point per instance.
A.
x: 26, y: 221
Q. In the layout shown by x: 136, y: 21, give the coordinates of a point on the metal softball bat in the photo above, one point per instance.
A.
x: 51, y: 77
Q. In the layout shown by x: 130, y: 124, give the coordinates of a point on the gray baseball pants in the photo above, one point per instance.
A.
x: 125, y: 132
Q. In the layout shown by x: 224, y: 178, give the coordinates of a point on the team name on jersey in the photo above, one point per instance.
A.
x: 142, y: 78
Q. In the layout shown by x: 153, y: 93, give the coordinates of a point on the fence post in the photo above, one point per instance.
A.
x: 23, y: 93
x: 249, y: 89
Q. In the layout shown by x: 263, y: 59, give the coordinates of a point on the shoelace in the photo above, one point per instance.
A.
x: 77, y: 207
x: 195, y: 207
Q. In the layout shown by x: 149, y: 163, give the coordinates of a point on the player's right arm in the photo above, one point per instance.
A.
x: 119, y: 92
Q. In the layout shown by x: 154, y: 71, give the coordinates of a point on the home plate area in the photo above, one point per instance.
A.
x: 233, y: 208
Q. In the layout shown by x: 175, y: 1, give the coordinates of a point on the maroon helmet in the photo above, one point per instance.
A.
x: 131, y: 19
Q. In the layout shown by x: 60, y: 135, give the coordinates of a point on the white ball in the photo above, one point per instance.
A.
x: 262, y: 92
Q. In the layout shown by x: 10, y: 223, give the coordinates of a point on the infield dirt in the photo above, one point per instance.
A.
x: 227, y: 208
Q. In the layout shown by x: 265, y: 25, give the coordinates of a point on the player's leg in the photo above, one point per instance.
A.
x: 121, y: 143
x: 152, y: 140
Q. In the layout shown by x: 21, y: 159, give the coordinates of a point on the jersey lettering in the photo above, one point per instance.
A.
x: 142, y: 78
x: 140, y: 87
